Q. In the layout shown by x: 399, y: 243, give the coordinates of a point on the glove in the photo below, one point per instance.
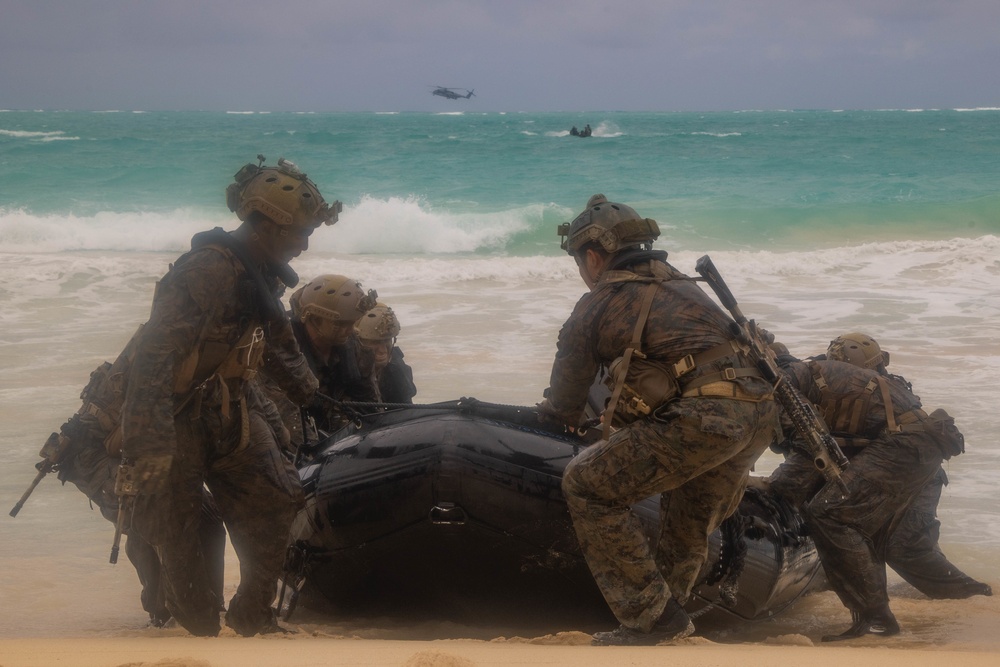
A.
x: 152, y: 473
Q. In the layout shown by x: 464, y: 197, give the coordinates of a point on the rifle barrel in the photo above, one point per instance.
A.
x: 42, y: 472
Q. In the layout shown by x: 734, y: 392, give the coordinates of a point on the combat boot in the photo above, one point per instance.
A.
x: 673, y: 624
x: 879, y: 622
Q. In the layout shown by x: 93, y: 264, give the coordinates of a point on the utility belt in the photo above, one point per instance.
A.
x: 228, y: 395
x: 216, y: 392
x: 722, y: 385
x: 650, y: 383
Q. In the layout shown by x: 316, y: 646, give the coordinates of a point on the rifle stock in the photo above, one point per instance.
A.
x: 822, y: 447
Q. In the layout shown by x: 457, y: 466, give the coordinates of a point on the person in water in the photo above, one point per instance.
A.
x: 191, y: 415
x: 895, y: 450
x: 690, y: 430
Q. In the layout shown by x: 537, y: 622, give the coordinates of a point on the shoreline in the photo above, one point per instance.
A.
x: 563, y: 649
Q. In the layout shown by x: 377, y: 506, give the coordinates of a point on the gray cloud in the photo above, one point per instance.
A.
x: 518, y: 54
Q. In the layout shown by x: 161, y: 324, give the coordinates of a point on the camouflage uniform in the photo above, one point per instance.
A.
x: 914, y: 554
x: 191, y: 397
x: 91, y: 461
x: 912, y: 548
x: 395, y: 380
x: 888, y: 469
x: 339, y: 378
x: 696, y: 450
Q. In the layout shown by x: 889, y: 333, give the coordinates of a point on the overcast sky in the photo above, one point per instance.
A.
x: 518, y: 55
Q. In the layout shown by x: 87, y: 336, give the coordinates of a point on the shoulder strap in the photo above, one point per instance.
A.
x: 890, y: 417
x: 634, y: 348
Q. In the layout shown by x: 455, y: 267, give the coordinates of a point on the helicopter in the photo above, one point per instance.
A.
x: 450, y: 93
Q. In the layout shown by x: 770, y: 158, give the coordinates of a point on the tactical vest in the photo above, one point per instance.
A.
x: 640, y: 385
x: 215, y: 358
x: 845, y: 412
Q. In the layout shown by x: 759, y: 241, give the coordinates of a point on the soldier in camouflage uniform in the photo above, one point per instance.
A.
x: 381, y: 357
x: 191, y: 415
x: 895, y: 449
x: 87, y: 452
x: 324, y: 313
x: 692, y: 416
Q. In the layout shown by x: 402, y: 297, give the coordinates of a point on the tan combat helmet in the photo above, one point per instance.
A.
x: 378, y: 324
x: 857, y: 349
x: 614, y: 226
x: 333, y: 297
x: 282, y: 193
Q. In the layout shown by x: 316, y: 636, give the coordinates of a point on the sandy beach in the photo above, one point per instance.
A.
x: 934, y: 632
x: 564, y: 649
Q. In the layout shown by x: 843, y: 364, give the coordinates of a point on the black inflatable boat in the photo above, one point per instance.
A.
x: 455, y: 510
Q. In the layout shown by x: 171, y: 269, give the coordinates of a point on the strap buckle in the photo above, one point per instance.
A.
x: 684, y: 366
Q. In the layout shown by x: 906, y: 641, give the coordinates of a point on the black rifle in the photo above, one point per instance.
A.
x: 126, y: 488
x: 56, y: 449
x: 821, y: 446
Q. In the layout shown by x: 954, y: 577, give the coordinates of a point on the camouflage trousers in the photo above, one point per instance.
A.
x: 852, y: 529
x: 696, y: 454
x: 913, y: 550
x: 93, y: 471
x: 910, y: 547
x: 257, y: 493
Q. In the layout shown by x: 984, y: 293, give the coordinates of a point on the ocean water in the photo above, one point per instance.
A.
x: 822, y: 222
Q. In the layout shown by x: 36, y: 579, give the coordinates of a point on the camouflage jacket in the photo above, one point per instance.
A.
x: 395, y: 381
x: 339, y: 376
x: 206, y: 308
x: 682, y: 320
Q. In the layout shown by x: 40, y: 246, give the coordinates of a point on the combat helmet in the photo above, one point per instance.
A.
x: 283, y: 193
x: 378, y: 324
x: 857, y: 349
x: 615, y: 226
x: 333, y: 297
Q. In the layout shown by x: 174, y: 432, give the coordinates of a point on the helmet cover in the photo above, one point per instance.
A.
x: 615, y: 226
x: 857, y: 349
x: 379, y: 323
x: 333, y: 297
x: 282, y: 193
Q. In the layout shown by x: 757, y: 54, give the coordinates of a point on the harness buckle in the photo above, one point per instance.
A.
x: 684, y: 366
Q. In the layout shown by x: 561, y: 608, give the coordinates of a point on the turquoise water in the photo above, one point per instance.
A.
x: 750, y: 179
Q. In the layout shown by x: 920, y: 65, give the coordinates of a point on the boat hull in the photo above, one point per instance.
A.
x: 459, y: 512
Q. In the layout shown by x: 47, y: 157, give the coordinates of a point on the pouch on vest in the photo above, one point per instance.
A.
x: 941, y: 427
x: 648, y: 384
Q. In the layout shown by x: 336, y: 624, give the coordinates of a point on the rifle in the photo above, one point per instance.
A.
x: 126, y: 488
x: 820, y: 445
x: 53, y: 451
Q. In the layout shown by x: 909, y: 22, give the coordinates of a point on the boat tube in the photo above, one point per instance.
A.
x: 455, y: 509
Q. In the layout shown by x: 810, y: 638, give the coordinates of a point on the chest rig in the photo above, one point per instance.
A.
x: 640, y: 385
x: 225, y: 357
